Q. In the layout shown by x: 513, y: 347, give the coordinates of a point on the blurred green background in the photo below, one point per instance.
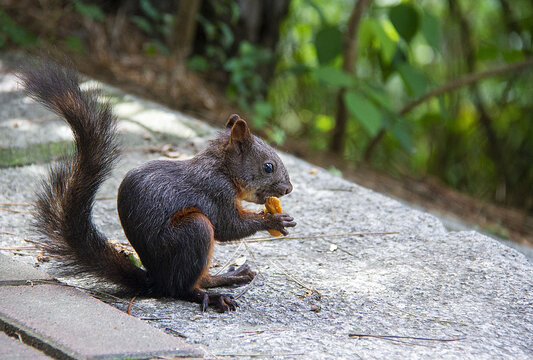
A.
x: 427, y: 89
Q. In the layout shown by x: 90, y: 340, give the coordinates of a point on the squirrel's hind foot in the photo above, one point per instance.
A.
x: 222, y: 302
x: 240, y: 276
x: 244, y: 271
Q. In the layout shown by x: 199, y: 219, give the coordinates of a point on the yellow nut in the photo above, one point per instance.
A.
x: 273, y: 206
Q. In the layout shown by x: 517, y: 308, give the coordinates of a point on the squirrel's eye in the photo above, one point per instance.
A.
x: 268, y: 167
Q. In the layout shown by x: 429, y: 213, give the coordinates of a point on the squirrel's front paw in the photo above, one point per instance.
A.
x: 279, y: 221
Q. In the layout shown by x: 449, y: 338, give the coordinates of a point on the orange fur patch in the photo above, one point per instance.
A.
x: 177, y: 217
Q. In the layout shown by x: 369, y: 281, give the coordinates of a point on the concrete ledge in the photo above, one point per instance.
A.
x: 14, y: 272
x: 67, y: 323
x: 12, y: 349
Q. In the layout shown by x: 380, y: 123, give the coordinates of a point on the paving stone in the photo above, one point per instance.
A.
x: 12, y: 349
x: 68, y: 323
x: 14, y: 272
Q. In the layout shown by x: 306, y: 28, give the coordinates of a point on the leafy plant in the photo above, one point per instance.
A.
x: 246, y: 85
x: 75, y: 44
x: 476, y: 138
x: 10, y: 31
x: 405, y: 19
x: 157, y: 25
x: 328, y: 43
x: 90, y: 11
x: 219, y: 36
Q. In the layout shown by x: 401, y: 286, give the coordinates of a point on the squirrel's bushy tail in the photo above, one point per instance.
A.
x: 64, y: 205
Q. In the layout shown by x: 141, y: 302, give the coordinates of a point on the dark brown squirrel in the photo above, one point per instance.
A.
x: 171, y: 211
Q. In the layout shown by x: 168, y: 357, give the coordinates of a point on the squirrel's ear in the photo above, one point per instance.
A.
x: 240, y: 133
x: 231, y: 120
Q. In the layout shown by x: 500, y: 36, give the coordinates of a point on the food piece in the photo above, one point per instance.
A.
x: 273, y: 206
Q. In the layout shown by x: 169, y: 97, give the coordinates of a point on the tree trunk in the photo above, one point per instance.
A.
x: 348, y: 65
x: 494, y: 147
x: 185, y: 29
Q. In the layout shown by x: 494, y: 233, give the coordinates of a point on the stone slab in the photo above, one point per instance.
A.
x: 12, y: 349
x: 68, y: 323
x: 14, y: 272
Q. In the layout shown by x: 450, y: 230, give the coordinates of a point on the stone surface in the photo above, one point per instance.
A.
x: 12, y: 349
x: 457, y: 295
x: 70, y: 323
x: 14, y: 272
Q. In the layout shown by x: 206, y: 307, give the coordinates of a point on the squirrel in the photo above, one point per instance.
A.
x: 171, y: 211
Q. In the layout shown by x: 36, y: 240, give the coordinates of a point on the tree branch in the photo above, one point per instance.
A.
x: 466, y: 80
x: 450, y: 86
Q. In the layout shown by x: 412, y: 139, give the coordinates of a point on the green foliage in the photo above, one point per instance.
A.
x: 334, y: 171
x: 157, y: 25
x: 142, y: 23
x: 404, y: 51
x: 90, y: 11
x: 364, y: 111
x: 75, y: 44
x: 415, y: 82
x: 262, y: 111
x: 149, y: 10
x: 376, y: 35
x: 219, y: 34
x: 154, y: 47
x: 10, y: 31
x: 429, y: 26
x: 333, y: 76
x: 405, y: 19
x: 328, y: 44
x: 198, y: 63
x: 246, y: 85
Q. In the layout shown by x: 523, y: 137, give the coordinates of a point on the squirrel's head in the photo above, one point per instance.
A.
x: 256, y: 169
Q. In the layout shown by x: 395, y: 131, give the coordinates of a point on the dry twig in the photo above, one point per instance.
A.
x: 316, y: 236
x: 294, y: 278
x: 106, y: 198
x: 17, y: 204
x: 131, y: 303
x: 18, y: 248
x: 177, y: 333
x: 230, y: 260
x: 262, y: 355
x: 247, y: 287
x: 394, y: 337
x: 18, y: 211
x: 253, y: 261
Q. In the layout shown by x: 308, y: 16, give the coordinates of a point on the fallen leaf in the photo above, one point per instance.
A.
x: 240, y: 261
x: 315, y: 308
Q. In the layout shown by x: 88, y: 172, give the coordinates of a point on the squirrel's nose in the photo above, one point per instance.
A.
x: 288, y: 189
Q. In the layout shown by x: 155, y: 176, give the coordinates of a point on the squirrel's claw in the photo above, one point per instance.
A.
x: 279, y: 221
x: 205, y: 302
x: 243, y: 271
x: 288, y: 221
x: 221, y: 302
x: 226, y: 303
